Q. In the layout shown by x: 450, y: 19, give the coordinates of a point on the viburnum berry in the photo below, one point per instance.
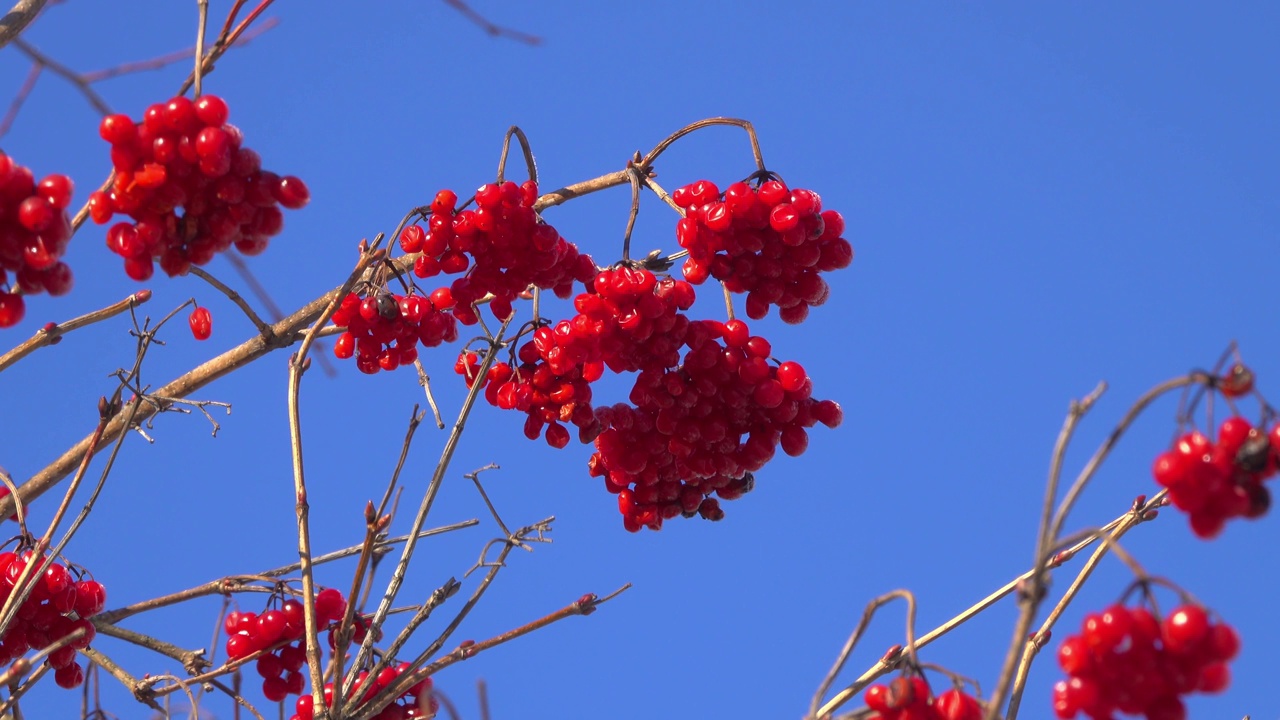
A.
x: 769, y: 242
x: 503, y: 246
x: 1124, y: 660
x: 190, y: 186
x: 34, y: 232
x: 384, y: 330
x: 1214, y: 481
x: 57, y: 607
x: 201, y: 323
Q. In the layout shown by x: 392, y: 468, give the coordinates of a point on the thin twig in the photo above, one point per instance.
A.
x: 52, y: 333
x: 18, y: 18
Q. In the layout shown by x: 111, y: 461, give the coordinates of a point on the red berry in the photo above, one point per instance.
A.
x: 292, y: 193
x: 201, y: 323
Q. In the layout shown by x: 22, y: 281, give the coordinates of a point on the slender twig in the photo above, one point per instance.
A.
x: 425, y: 382
x: 489, y: 27
x: 1031, y: 644
x: 234, y: 297
x: 890, y: 661
x: 52, y: 333
x: 297, y: 366
x: 428, y: 499
x: 583, y: 606
x: 203, y: 8
x: 867, y: 614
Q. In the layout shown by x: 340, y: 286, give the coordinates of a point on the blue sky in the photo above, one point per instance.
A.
x: 1040, y: 196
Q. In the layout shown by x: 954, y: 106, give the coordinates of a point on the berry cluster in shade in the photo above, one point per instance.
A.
x: 909, y: 698
x: 383, y: 330
x: 34, y: 233
x: 768, y: 242
x: 502, y: 246
x: 1125, y: 660
x: 1214, y: 481
x: 190, y: 188
x: 57, y: 606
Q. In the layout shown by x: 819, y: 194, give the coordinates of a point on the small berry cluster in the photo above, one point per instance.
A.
x: 57, y: 606
x: 34, y: 233
x: 416, y: 703
x: 909, y: 698
x: 1216, y: 481
x: 769, y: 242
x: 502, y: 245
x: 383, y: 330
x: 184, y: 154
x: 279, y: 631
x: 1125, y: 660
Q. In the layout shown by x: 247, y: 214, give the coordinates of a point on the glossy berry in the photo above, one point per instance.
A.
x: 201, y: 323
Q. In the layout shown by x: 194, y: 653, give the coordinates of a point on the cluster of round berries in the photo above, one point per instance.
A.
x: 627, y: 319
x: 383, y: 330
x: 416, y: 703
x: 280, y: 631
x: 909, y: 698
x: 34, y: 232
x: 502, y: 245
x: 1216, y: 481
x: 769, y: 242
x: 57, y: 606
x: 704, y: 426
x: 682, y: 437
x: 1125, y: 660
x: 184, y: 154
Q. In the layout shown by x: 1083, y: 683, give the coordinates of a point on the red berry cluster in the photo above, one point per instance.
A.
x: 704, y: 426
x: 34, y: 232
x: 502, y: 245
x: 682, y: 437
x: 57, y: 606
x: 627, y: 319
x: 909, y: 698
x: 1125, y: 660
x: 383, y: 330
x: 184, y: 155
x: 280, y: 631
x: 1216, y: 481
x: 769, y: 242
x: 416, y: 703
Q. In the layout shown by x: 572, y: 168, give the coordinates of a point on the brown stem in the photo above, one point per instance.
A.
x: 18, y: 18
x: 52, y: 334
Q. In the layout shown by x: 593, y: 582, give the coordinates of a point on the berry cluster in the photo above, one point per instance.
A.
x: 383, y: 330
x: 769, y: 242
x: 908, y: 698
x: 416, y: 703
x: 682, y: 437
x: 704, y: 426
x: 627, y: 320
x: 502, y: 245
x: 57, y: 606
x: 1216, y: 481
x: 34, y: 232
x: 1125, y: 660
x: 184, y: 155
x: 279, y: 631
